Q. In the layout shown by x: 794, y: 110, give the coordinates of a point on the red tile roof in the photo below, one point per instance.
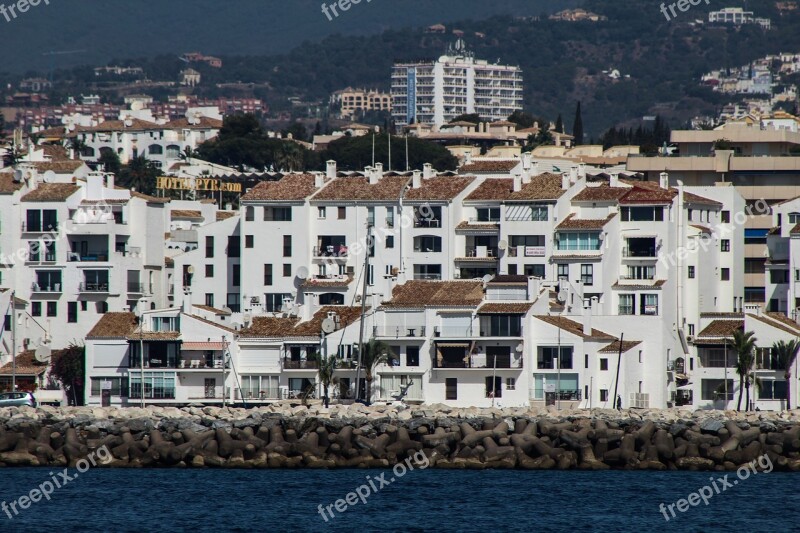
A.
x: 614, y: 346
x: 113, y: 326
x: 496, y: 166
x: 584, y: 223
x: 354, y: 189
x: 721, y: 329
x: 51, y: 192
x: 270, y: 327
x: 26, y: 365
x: 545, y: 186
x: 573, y: 327
x: 417, y: 293
x: 519, y: 308
x: 603, y: 193
x: 439, y: 189
x: 493, y: 189
x: 291, y: 187
x: 7, y: 183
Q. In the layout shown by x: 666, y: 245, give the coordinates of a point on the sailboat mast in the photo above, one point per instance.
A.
x: 363, y: 310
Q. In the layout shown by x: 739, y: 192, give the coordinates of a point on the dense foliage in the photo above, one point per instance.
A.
x: 355, y: 153
x: 68, y: 367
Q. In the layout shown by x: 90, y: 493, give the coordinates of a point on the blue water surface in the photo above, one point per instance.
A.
x: 105, y: 500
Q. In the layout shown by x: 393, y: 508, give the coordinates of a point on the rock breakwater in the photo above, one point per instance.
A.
x: 355, y: 436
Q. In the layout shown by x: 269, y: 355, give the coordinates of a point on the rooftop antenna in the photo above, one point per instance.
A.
x: 407, y: 167
x: 389, y: 135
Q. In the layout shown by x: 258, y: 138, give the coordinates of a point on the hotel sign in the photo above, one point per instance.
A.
x: 197, y: 184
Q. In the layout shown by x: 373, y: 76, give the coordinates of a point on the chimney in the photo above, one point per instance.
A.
x: 427, y: 171
x: 319, y: 180
x: 416, y: 180
x: 305, y: 309
x: 587, y: 320
x: 526, y: 161
x: 468, y: 157
x: 565, y: 181
x: 663, y: 180
x: 517, y: 183
x: 110, y: 181
x: 573, y: 174
x: 331, y: 169
x: 582, y: 170
x: 613, y: 180
x: 595, y: 305
x: 94, y: 189
x: 71, y: 153
x: 376, y: 174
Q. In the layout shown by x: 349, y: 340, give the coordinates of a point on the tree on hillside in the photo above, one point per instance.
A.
x: 68, y: 367
x: 355, y: 153
x: 577, y: 126
x: 559, y: 124
x: 140, y: 174
x: 522, y: 119
x: 467, y: 117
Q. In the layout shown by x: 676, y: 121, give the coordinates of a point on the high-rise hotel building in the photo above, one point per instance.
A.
x: 435, y: 92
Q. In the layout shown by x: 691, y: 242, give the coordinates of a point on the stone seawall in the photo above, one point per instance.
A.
x: 292, y: 436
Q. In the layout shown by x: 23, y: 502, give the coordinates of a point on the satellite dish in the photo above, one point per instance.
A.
x: 17, y: 176
x: 190, y: 269
x: 562, y: 296
x: 42, y: 353
x: 302, y: 272
x: 328, y: 326
x: 487, y: 278
x: 227, y: 310
x: 49, y: 176
x: 519, y: 348
x: 502, y: 245
x: 128, y: 122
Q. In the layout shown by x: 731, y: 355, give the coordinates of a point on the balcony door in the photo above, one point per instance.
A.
x: 210, y: 387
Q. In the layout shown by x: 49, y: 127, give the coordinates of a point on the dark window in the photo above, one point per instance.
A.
x: 512, y: 270
x: 563, y: 271
x: 52, y: 308
x: 494, y: 387
x: 72, y: 312
x: 287, y: 246
x: 249, y: 214
x: 209, y: 246
x: 587, y: 274
x: 84, y: 305
x: 412, y: 356
x: 34, y: 220
x: 7, y: 323
x: 209, y: 271
x: 36, y: 309
x: 604, y: 364
x: 234, y: 246
x: 451, y: 389
x: 331, y: 299
x: 726, y: 217
x: 726, y: 274
x: 390, y: 241
x: 210, y: 299
x: 342, y: 213
x: 237, y: 275
x: 646, y: 213
x: 603, y: 395
x: 537, y: 271
x: 267, y: 274
x: 277, y: 214
x: 427, y: 243
x: 725, y: 245
x: 287, y: 270
x: 691, y: 272
x: 547, y: 357
x: 248, y: 241
x: 102, y: 308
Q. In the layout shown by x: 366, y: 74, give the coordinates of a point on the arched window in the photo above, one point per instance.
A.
x: 173, y: 151
x: 155, y: 149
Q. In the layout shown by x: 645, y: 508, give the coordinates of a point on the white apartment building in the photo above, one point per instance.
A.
x: 737, y: 16
x: 435, y: 92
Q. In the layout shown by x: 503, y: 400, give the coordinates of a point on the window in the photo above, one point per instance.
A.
x: 209, y: 247
x: 547, y: 357
x: 36, y: 309
x: 209, y: 271
x: 511, y: 383
x: 537, y: 271
x: 119, y: 386
x: 426, y: 243
x: 586, y: 360
x: 267, y: 275
x: 494, y: 387
x: 389, y: 241
x: 427, y: 272
x: 451, y: 389
x: 502, y: 326
x: 644, y: 214
x: 389, y: 217
x: 714, y: 389
x: 691, y: 271
x: 248, y: 241
x: 794, y: 218
x: 649, y: 304
x: 578, y: 241
x: 287, y: 246
x: 512, y: 270
x: 157, y: 385
x: 322, y: 212
x: 370, y: 217
x: 563, y: 271
x: 773, y: 390
x: 277, y: 214
x: 341, y: 213
x: 236, y: 275
x: 587, y: 276
x: 274, y: 301
x: 234, y: 246
x: 331, y: 298
x: 604, y: 364
x: 726, y: 217
x: 725, y: 274
x: 412, y: 356
x: 72, y: 312
x: 626, y: 304
x: 52, y: 309
x: 779, y: 276
x: 526, y: 213
x: 210, y: 299
x: 691, y: 330
x: 287, y: 270
x: 102, y: 308
x: 488, y: 214
x: 603, y: 395
x: 725, y: 245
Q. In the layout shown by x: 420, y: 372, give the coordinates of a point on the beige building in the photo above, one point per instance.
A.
x: 351, y: 100
x: 760, y: 160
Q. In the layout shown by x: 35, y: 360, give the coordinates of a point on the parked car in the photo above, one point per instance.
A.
x: 17, y: 399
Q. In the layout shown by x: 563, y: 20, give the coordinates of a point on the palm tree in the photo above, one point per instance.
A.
x: 786, y: 352
x: 78, y: 146
x: 327, y: 367
x: 375, y: 352
x: 744, y: 343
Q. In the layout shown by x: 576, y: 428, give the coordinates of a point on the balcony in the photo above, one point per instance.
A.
x: 479, y: 362
x: 47, y: 227
x: 93, y: 287
x: 640, y: 253
x: 396, y: 332
x: 453, y: 332
x: 256, y: 395
x: 49, y: 288
x: 88, y: 257
x: 330, y: 252
x: 480, y: 253
x: 135, y: 288
x: 300, y: 364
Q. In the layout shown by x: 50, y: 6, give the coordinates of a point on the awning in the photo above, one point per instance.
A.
x: 202, y: 346
x: 452, y: 344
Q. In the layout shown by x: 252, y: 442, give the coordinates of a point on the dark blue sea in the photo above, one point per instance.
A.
x: 423, y: 500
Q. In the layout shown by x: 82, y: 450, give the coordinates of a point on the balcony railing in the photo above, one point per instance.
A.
x: 640, y: 253
x: 90, y: 257
x: 399, y: 331
x: 136, y: 288
x: 427, y: 223
x: 54, y: 287
x: 480, y: 252
x: 267, y: 394
x: 302, y: 364
x: 93, y: 287
x: 39, y: 228
x: 452, y: 331
x: 330, y: 251
x: 480, y: 361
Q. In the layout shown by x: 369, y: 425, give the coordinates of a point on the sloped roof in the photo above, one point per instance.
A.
x: 545, y: 186
x: 185, y: 213
x: 602, y: 193
x: 7, y: 183
x: 59, y: 167
x: 291, y: 187
x: 584, y: 223
x: 51, y: 192
x: 614, y: 346
x: 113, y: 326
x: 485, y: 166
x: 418, y: 293
x: 575, y: 328
x: 359, y: 189
x: 212, y: 309
x: 224, y: 215
x: 204, y: 123
x: 270, y: 327
x: 26, y: 365
x: 497, y: 308
x: 493, y: 189
x: 720, y: 329
x: 439, y: 189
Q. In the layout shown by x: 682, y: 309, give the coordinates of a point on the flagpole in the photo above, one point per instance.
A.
x: 13, y: 342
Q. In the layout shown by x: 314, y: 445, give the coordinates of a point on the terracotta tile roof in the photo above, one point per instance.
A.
x: 155, y: 336
x: 518, y: 308
x: 26, y: 365
x: 703, y: 229
x: 641, y: 287
x: 417, y: 293
x: 584, y: 223
x: 7, y: 183
x: 185, y: 213
x: 439, y: 189
x: 603, y: 193
x: 359, y: 189
x: 204, y: 123
x: 59, y: 167
x: 614, y: 346
x: 496, y: 166
x: 795, y: 229
x: 119, y: 125
x: 113, y: 326
x: 113, y: 201
x: 641, y: 195
x: 509, y: 279
x: 224, y: 215
x: 493, y: 189
x: 55, y: 152
x: 269, y: 327
x: 477, y: 226
x: 313, y: 283
x: 212, y: 309
x: 721, y: 329
x: 148, y: 198
x: 291, y: 187
x: 692, y: 198
x: 51, y: 192
x: 575, y: 328
x: 721, y: 315
x: 542, y: 187
x: 777, y: 320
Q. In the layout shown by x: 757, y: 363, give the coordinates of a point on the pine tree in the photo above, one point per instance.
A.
x: 577, y: 126
x: 559, y: 124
